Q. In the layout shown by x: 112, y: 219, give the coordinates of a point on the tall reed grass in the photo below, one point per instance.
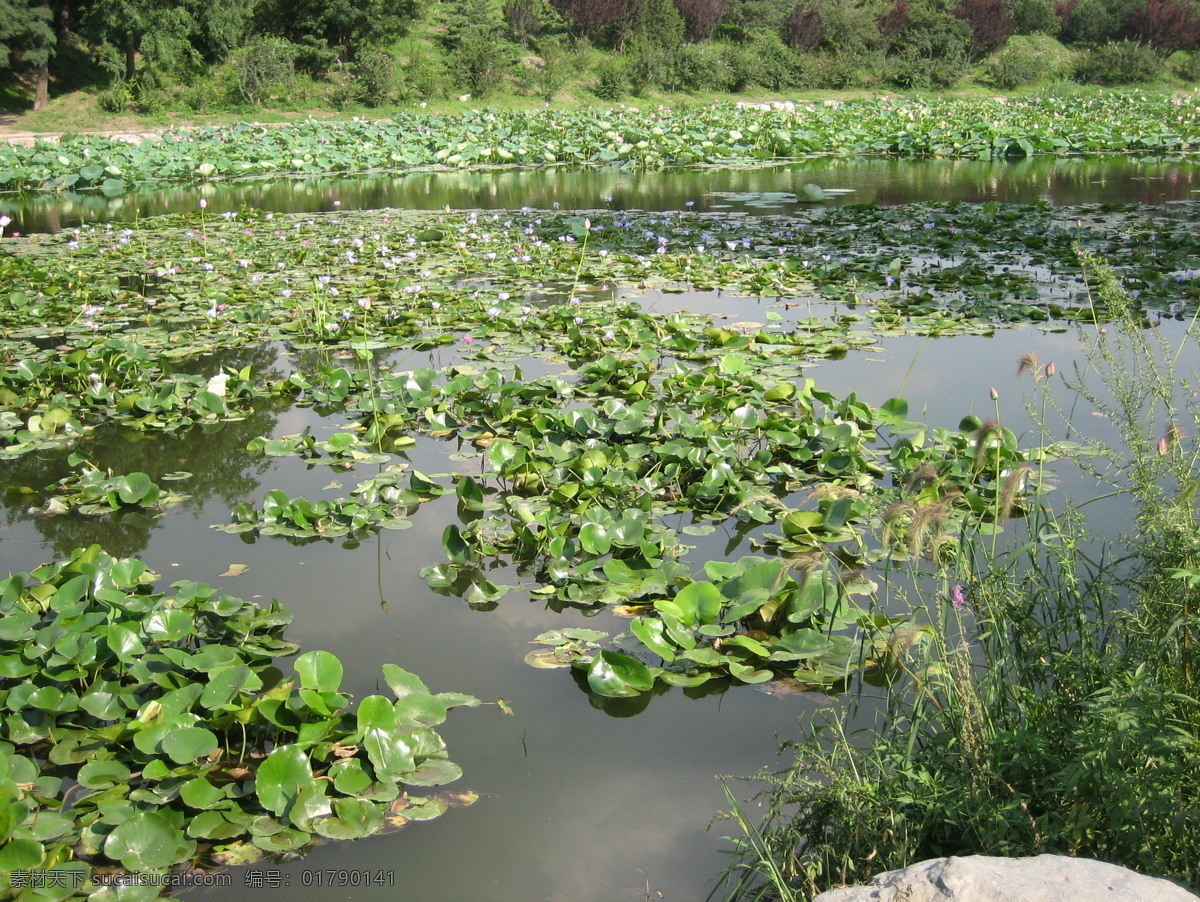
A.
x: 1043, y: 698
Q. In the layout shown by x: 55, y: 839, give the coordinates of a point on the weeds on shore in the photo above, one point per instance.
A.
x: 1043, y: 700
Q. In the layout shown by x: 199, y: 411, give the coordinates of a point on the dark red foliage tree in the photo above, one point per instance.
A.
x: 804, y: 28
x: 1166, y: 25
x: 990, y: 21
x: 893, y: 21
x: 587, y: 17
x: 700, y: 17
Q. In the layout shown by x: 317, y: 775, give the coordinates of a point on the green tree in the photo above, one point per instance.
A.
x: 654, y: 23
x: 852, y: 25
x: 1036, y: 17
x: 27, y: 33
x: 341, y: 26
x: 219, y: 27
x: 150, y: 34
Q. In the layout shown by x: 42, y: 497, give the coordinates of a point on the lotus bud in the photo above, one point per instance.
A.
x: 995, y: 395
x: 1051, y: 369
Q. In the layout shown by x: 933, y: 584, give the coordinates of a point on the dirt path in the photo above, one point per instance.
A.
x: 11, y: 131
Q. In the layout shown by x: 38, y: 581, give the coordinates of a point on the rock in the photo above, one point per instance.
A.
x: 981, y: 878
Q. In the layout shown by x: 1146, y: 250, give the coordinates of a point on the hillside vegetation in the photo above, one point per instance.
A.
x: 84, y: 64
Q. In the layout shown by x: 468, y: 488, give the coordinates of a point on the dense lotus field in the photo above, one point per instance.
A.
x: 628, y: 135
x: 601, y: 437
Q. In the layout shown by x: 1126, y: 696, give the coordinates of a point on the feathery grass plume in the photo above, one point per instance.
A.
x: 1028, y: 363
x: 925, y: 474
x: 983, y: 437
x: 1011, y: 488
x: 832, y: 490
x: 759, y: 496
x: 806, y: 562
x: 928, y: 524
x: 892, y: 520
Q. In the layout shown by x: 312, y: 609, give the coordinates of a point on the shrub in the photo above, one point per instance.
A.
x: 933, y: 35
x: 850, y: 26
x: 266, y: 62
x: 141, y: 95
x: 702, y: 67
x: 832, y: 71
x: 422, y: 75
x: 587, y: 18
x: 756, y: 15
x: 612, y: 81
x: 1119, y: 63
x: 1089, y: 22
x: 655, y: 23
x: 741, y: 64
x: 375, y: 73
x: 481, y: 60
x: 1187, y: 66
x: 778, y: 65
x: 650, y: 66
x: 219, y: 89
x: 892, y: 22
x: 1035, y: 17
x: 1016, y: 66
x: 116, y: 98
x: 554, y: 71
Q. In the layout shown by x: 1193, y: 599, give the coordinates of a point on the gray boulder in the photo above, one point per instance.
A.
x: 981, y: 878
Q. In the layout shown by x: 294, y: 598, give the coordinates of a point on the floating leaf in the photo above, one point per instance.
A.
x: 616, y: 675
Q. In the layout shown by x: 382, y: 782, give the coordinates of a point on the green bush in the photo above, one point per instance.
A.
x: 838, y: 71
x: 139, y: 95
x: 116, y: 98
x: 779, y: 66
x: 1092, y: 22
x: 557, y: 64
x: 612, y: 81
x: 702, y: 67
x: 1186, y: 65
x: 915, y: 72
x: 1035, y: 17
x: 219, y: 89
x: 741, y: 64
x: 266, y: 62
x: 1119, y: 63
x: 375, y: 73
x: 422, y: 74
x: 482, y: 60
x: 650, y: 66
x: 1016, y: 66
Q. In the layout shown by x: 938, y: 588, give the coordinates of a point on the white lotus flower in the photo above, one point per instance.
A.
x: 217, y: 384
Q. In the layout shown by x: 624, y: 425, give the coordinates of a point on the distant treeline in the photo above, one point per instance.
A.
x: 145, y: 54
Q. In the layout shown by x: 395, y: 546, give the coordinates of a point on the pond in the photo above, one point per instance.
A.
x: 753, y: 189
x: 582, y: 798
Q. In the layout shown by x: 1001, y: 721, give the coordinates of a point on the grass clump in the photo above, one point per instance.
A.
x: 1043, y: 698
